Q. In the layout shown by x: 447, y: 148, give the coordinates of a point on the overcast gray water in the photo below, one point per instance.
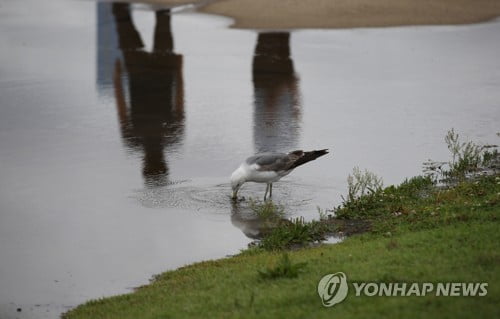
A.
x: 120, y: 126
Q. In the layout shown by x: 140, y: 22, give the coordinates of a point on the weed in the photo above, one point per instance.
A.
x: 283, y: 269
x: 362, y: 183
x: 363, y: 193
x: 466, y: 158
x: 323, y: 215
x: 418, y: 204
x: 362, y: 186
x: 393, y: 200
x: 268, y: 211
x: 295, y: 232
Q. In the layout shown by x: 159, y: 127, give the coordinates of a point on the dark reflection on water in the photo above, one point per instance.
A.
x: 149, y: 92
x: 277, y: 113
x: 149, y: 97
x: 153, y: 117
x: 277, y: 110
x: 245, y: 219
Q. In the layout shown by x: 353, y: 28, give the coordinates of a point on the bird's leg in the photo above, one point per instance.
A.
x: 265, y: 194
x: 270, y: 190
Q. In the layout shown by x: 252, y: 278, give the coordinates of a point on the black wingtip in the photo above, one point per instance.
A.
x: 323, y: 151
x: 308, y: 156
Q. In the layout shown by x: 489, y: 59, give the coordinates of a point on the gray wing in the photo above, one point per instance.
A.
x: 274, y: 161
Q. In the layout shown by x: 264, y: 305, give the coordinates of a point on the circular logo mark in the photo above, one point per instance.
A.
x: 332, y: 289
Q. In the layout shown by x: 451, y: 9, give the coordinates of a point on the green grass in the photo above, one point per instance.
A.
x: 418, y: 233
x: 467, y: 159
x: 295, y: 233
x: 280, y: 233
x: 232, y: 288
x: 417, y: 204
x: 268, y: 211
x: 284, y: 268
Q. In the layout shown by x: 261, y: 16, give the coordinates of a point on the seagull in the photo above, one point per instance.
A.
x: 269, y: 168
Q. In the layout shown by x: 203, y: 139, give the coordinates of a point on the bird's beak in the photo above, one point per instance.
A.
x: 235, y: 194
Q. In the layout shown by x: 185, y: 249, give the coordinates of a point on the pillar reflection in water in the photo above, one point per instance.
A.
x: 277, y: 112
x: 154, y: 117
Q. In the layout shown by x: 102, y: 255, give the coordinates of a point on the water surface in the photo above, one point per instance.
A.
x: 119, y: 127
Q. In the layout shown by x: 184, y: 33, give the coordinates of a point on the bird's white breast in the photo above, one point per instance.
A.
x: 253, y: 174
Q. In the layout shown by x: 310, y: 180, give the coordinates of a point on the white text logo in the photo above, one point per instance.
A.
x: 332, y: 289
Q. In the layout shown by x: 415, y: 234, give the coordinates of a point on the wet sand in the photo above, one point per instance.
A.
x: 163, y: 3
x: 293, y: 14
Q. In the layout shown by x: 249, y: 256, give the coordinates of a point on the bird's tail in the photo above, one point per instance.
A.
x: 304, y: 157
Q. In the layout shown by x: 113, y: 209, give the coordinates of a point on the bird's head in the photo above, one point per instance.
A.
x: 237, y: 179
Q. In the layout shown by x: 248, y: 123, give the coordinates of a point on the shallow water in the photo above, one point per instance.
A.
x: 115, y: 158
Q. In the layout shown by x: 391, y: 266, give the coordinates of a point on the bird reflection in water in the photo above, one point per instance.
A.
x: 277, y: 110
x: 154, y: 117
x: 247, y: 220
x: 244, y: 219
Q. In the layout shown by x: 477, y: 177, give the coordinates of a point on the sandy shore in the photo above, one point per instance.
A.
x: 162, y: 3
x: 291, y: 14
x: 287, y: 14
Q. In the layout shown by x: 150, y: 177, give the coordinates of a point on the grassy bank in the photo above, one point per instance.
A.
x: 418, y: 233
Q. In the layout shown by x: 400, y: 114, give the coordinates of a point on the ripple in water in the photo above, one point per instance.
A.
x: 215, y: 196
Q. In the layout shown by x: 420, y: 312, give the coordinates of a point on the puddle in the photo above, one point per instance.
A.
x: 120, y: 126
x: 333, y: 240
